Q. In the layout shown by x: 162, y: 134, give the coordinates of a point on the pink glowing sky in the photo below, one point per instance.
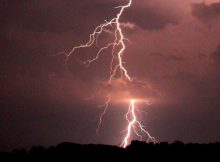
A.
x: 173, y: 58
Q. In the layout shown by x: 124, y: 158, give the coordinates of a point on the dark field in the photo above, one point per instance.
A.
x: 137, y: 151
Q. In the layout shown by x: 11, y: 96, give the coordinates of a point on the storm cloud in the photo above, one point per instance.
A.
x: 173, y: 58
x: 206, y: 12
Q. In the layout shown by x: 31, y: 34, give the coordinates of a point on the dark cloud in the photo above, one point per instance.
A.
x: 44, y: 101
x: 206, y: 12
x: 63, y: 16
x: 150, y: 17
x: 59, y: 16
x: 216, y: 55
x: 216, y: 59
x: 167, y: 57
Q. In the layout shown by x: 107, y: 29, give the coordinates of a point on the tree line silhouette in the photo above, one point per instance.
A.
x: 136, y: 151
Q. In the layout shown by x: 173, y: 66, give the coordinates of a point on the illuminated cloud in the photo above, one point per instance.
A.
x: 172, y: 57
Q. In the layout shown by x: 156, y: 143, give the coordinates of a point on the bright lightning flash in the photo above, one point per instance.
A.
x: 118, y: 47
x: 134, y: 124
x: 119, y: 42
x: 106, y: 105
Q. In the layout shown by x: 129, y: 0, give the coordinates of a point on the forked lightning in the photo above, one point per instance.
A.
x: 118, y: 47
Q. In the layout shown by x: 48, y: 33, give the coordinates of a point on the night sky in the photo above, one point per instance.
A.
x: 173, y: 58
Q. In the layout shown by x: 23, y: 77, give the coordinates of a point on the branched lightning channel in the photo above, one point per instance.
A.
x: 134, y: 124
x: 119, y: 42
x: 106, y: 105
x: 118, y: 48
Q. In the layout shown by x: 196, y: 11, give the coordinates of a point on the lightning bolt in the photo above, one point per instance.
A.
x: 118, y: 47
x: 119, y: 42
x: 134, y: 124
x: 106, y: 105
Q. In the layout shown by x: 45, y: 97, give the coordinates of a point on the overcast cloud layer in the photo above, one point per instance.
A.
x: 173, y: 58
